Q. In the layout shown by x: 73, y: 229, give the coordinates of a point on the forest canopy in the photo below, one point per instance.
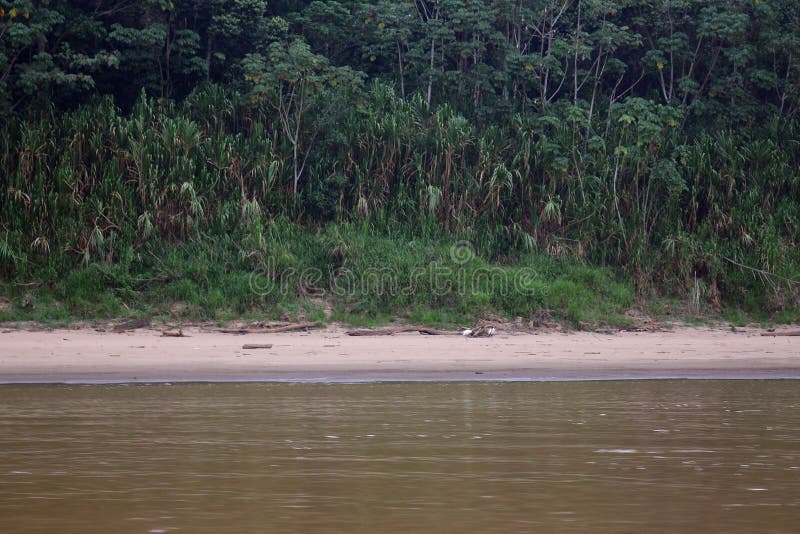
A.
x: 714, y: 60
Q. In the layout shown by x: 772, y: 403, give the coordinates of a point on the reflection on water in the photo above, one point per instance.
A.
x: 655, y: 456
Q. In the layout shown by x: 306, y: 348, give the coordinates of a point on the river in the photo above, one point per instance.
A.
x: 606, y: 456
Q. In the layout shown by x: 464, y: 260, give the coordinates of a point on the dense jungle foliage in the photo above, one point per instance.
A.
x: 161, y: 150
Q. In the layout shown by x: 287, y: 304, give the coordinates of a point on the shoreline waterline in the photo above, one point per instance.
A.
x: 406, y: 377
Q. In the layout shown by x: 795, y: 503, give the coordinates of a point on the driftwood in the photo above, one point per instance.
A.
x: 276, y: 330
x: 179, y: 333
x: 133, y: 324
x: 269, y: 324
x: 788, y: 333
x: 252, y: 347
x: 433, y: 332
x: 238, y: 331
x: 393, y: 331
x: 383, y: 332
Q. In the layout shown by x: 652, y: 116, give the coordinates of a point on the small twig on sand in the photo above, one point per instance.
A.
x: 253, y: 347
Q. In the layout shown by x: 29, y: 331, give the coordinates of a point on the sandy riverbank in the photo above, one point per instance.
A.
x: 87, y: 356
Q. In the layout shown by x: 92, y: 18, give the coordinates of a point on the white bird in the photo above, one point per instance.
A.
x: 467, y: 332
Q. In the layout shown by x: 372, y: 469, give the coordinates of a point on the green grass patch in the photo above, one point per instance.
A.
x: 347, y: 273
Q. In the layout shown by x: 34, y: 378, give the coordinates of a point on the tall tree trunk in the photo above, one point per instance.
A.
x: 402, y: 71
x: 575, y: 86
x: 430, y: 73
x: 166, y: 89
x: 209, y: 54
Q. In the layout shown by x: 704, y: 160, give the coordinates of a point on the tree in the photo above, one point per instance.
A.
x: 36, y: 59
x: 294, y: 82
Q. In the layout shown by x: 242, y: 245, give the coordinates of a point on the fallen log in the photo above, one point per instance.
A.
x: 168, y: 333
x: 133, y: 324
x: 295, y: 327
x: 253, y: 347
x: 788, y: 333
x: 382, y: 332
x: 269, y: 324
x: 393, y: 331
x: 277, y: 330
x: 433, y: 332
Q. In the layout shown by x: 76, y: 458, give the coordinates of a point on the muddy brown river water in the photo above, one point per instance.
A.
x: 630, y: 456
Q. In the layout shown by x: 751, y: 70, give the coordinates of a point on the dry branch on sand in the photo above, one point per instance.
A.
x: 393, y: 331
x: 383, y: 332
x: 133, y: 324
x: 299, y: 327
x: 173, y: 333
x: 788, y: 333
